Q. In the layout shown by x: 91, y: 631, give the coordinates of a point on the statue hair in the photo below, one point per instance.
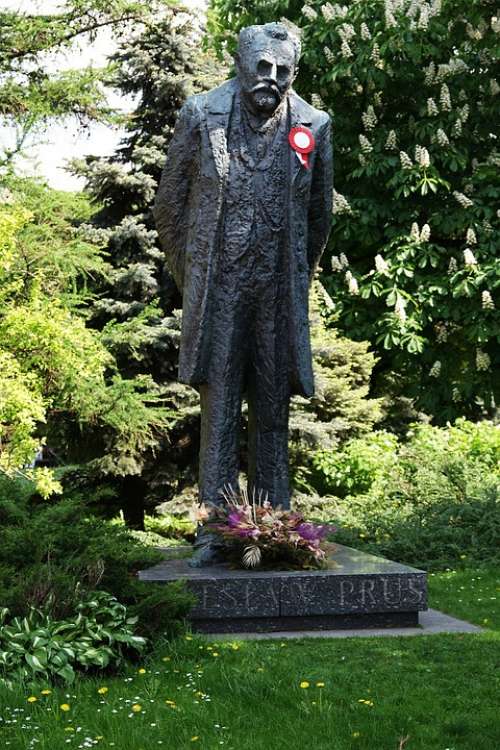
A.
x: 279, y: 31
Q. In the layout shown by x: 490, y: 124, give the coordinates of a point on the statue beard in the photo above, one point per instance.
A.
x: 264, y: 98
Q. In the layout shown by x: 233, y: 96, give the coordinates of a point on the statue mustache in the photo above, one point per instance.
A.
x: 266, y: 88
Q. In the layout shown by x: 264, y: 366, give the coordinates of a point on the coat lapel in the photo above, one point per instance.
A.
x: 298, y: 116
x: 218, y: 106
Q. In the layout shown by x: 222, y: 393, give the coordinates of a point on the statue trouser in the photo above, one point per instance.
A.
x: 249, y: 354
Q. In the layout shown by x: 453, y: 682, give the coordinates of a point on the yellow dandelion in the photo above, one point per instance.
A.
x: 141, y: 670
x: 102, y: 690
x: 235, y: 647
x: 304, y: 684
x: 170, y: 703
x: 65, y: 707
x: 137, y: 708
x: 32, y: 699
x: 46, y: 692
x: 320, y: 684
x: 188, y: 637
x: 195, y: 738
x: 166, y: 658
x: 356, y: 734
x: 215, y: 653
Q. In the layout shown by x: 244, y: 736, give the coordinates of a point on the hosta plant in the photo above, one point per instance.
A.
x: 38, y: 646
x: 254, y: 534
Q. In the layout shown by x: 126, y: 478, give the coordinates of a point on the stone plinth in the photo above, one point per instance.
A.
x: 360, y: 590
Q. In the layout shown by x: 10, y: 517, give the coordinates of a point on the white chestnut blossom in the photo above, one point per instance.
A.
x: 390, y: 20
x: 422, y: 156
x: 432, y: 109
x: 336, y: 264
x: 470, y: 237
x: 343, y: 260
x: 457, y: 128
x: 487, y: 300
x: 444, y: 98
x: 369, y: 118
x: 495, y: 24
x: 400, y: 309
x: 464, y: 113
x: 352, y: 284
x: 435, y: 370
x: 456, y: 395
x: 452, y: 266
x: 328, y: 12
x: 441, y: 333
x: 346, y: 31
x: 425, y: 234
x: 415, y: 232
x: 330, y: 57
x: 462, y: 199
x: 309, y: 13
x: 392, y: 141
x: 494, y: 87
x: 406, y: 162
x: 430, y: 72
x: 442, y: 138
x: 340, y: 204
x: 469, y: 257
x: 317, y: 101
x: 381, y: 265
x: 483, y: 360
x: 472, y: 33
x: 345, y: 50
x: 365, y: 32
x: 366, y: 146
x: 375, y: 55
x: 423, y: 21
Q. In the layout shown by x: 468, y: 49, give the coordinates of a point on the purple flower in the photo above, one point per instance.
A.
x: 234, y: 519
x: 312, y: 533
x: 248, y: 532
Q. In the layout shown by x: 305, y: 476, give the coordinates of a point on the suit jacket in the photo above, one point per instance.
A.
x: 188, y: 211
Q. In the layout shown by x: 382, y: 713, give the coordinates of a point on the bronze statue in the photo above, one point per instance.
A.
x: 243, y: 213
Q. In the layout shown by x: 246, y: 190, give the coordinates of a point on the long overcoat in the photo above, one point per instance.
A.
x: 188, y: 210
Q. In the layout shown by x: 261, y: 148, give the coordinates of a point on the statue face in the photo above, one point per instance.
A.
x: 265, y: 70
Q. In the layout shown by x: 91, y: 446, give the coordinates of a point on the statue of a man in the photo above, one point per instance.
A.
x: 243, y: 213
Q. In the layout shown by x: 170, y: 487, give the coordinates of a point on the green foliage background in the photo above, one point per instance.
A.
x: 412, y: 88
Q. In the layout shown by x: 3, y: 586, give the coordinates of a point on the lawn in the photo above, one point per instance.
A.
x: 413, y: 693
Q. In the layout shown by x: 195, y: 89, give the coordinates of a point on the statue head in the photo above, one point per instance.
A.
x: 266, y: 65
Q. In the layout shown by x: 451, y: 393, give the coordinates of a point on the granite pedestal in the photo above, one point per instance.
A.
x: 358, y: 591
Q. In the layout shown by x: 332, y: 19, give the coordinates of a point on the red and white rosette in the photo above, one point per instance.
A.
x: 302, y: 141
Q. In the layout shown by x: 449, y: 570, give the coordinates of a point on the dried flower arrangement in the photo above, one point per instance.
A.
x: 255, y: 534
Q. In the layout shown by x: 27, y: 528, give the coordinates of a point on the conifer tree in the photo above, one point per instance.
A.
x: 137, y: 309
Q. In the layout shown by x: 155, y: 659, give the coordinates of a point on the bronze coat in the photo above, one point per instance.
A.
x: 188, y: 211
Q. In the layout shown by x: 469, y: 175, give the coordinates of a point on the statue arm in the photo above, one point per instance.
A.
x: 170, y: 208
x: 320, y: 206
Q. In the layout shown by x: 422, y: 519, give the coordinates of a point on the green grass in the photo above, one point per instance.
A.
x: 421, y: 693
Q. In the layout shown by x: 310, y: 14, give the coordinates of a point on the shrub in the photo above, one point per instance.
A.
x: 431, y: 501
x: 412, y: 87
x: 38, y: 646
x: 54, y: 554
